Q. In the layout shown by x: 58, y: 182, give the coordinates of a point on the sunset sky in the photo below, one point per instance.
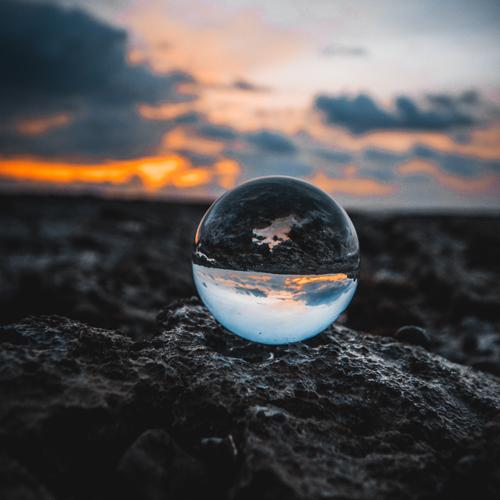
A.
x: 384, y: 104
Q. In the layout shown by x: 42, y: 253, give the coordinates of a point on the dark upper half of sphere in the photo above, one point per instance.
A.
x: 279, y: 225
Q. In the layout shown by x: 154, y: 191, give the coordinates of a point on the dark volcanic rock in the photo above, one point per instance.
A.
x: 114, y: 264
x: 111, y: 264
x: 17, y: 484
x: 154, y: 467
x: 344, y: 415
x: 441, y: 273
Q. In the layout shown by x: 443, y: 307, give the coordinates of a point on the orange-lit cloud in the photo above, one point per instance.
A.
x: 185, y: 138
x: 227, y: 172
x: 214, y: 43
x: 41, y: 125
x: 253, y: 111
x: 241, y: 110
x: 165, y: 111
x: 485, y: 184
x: 154, y: 172
x: 351, y: 184
x: 218, y: 46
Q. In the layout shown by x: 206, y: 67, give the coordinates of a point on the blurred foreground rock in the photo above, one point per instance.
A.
x: 195, y: 412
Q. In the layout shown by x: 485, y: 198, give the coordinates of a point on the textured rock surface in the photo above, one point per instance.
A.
x: 115, y: 264
x: 437, y: 272
x: 108, y: 263
x: 89, y: 413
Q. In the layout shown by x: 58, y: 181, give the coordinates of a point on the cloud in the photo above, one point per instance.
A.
x: 334, y: 156
x: 242, y: 85
x: 260, y: 164
x: 361, y: 114
x: 256, y: 292
x: 159, y: 175
x: 483, y: 184
x: 455, y: 164
x: 267, y: 152
x: 38, y: 126
x: 54, y: 60
x: 382, y: 165
x: 217, y: 132
x: 339, y: 50
x: 352, y: 184
x: 181, y: 34
x: 380, y: 156
x: 271, y: 142
x: 448, y: 101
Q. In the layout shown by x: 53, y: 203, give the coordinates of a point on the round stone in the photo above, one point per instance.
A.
x: 413, y: 335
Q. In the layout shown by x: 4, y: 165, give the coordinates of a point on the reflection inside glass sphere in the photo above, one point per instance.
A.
x: 273, y: 308
x: 276, y: 260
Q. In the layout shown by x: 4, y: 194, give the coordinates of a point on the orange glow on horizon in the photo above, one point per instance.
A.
x: 351, y: 184
x: 485, y: 184
x: 153, y: 172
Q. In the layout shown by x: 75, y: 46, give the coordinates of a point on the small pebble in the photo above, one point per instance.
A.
x: 413, y: 335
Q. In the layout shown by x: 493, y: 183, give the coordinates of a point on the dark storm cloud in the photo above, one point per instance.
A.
x: 379, y: 164
x: 379, y: 155
x: 424, y: 152
x: 96, y: 132
x: 56, y: 60
x: 361, y: 114
x: 460, y: 165
x: 334, y: 156
x: 270, y: 153
x: 217, y: 132
x: 469, y: 97
x: 271, y: 142
x: 382, y: 165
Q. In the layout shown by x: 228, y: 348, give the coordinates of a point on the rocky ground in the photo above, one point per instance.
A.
x: 116, y: 402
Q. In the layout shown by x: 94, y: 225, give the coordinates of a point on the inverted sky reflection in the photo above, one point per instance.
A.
x: 273, y: 308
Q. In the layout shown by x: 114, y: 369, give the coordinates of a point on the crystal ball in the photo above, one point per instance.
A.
x: 276, y: 260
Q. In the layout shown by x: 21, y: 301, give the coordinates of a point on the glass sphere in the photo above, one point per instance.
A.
x: 276, y: 260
